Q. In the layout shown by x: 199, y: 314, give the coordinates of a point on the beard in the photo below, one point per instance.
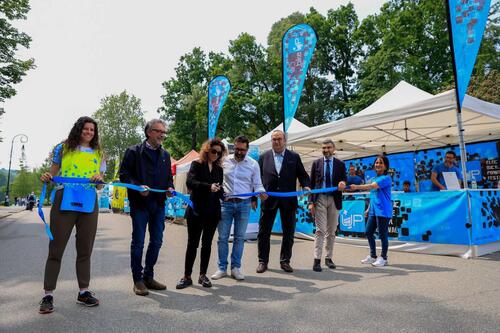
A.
x: 239, y: 155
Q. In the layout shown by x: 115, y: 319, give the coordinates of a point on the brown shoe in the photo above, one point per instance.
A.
x: 153, y: 284
x: 261, y: 268
x: 140, y: 289
x: 286, y: 267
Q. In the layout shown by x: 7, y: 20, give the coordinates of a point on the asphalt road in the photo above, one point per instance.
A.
x: 416, y: 293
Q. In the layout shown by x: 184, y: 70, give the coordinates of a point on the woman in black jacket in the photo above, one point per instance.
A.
x: 204, y: 180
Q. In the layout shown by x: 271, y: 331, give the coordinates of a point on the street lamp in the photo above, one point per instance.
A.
x: 23, y: 139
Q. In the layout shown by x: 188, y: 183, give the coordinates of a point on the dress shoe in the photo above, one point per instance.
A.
x: 317, y: 265
x: 140, y: 289
x: 261, y: 268
x: 153, y: 284
x: 329, y: 263
x: 183, y: 283
x: 286, y: 267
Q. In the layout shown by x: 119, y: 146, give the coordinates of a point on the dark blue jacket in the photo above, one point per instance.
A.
x: 138, y: 168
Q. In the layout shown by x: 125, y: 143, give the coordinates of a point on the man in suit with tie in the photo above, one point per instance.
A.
x: 326, y: 172
x: 280, y: 168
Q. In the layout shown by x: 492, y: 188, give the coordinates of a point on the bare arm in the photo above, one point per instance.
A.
x: 365, y: 187
x: 436, y: 182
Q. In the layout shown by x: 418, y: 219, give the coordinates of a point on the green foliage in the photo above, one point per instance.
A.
x: 353, y: 65
x: 120, y: 120
x: 12, y: 69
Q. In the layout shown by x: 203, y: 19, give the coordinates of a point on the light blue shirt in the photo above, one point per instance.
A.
x: 278, y: 160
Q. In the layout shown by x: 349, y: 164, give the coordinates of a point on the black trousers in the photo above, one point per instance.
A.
x: 199, y: 227
x: 266, y: 223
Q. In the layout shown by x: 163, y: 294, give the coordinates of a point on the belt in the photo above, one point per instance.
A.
x: 236, y: 200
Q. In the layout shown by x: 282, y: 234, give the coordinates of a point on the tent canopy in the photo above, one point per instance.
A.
x: 265, y: 140
x: 401, y: 123
x: 184, y: 163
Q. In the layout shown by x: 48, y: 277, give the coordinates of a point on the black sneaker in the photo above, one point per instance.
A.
x: 204, y: 281
x: 87, y: 299
x: 183, y: 283
x: 46, y: 304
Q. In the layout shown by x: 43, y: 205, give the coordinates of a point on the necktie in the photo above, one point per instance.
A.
x: 328, y: 174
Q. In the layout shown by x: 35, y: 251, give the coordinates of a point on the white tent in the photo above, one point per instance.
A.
x: 264, y: 142
x: 405, y: 119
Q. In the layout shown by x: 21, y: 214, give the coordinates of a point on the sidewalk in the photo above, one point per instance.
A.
x: 7, y: 211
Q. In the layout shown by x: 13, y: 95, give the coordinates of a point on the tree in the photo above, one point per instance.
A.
x: 120, y: 120
x: 12, y: 69
x: 408, y: 40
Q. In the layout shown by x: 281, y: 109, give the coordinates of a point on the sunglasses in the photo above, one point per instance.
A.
x: 215, y: 151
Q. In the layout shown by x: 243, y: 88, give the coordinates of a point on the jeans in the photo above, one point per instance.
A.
x: 382, y: 224
x: 154, y: 215
x: 239, y: 212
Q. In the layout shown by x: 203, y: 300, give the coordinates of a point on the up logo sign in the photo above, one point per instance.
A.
x: 352, y: 217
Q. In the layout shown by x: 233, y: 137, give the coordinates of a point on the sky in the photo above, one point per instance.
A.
x: 87, y: 50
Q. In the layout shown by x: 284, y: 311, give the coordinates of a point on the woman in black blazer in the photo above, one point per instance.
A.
x: 204, y: 180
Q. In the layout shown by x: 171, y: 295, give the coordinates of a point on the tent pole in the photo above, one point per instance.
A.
x: 463, y: 152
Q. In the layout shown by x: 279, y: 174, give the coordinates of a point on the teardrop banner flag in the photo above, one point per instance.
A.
x: 218, y: 89
x: 298, y: 45
x: 466, y: 24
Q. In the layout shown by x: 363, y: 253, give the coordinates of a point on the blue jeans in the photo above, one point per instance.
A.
x: 154, y: 215
x: 239, y: 212
x: 382, y: 224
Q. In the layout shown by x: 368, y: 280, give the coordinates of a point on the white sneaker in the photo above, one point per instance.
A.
x: 219, y: 274
x: 368, y: 260
x: 380, y: 262
x: 236, y: 274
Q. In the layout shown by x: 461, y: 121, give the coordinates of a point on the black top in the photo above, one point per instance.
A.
x: 291, y: 170
x: 199, y: 181
x: 145, y: 166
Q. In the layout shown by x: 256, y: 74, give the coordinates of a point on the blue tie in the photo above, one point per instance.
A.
x: 328, y: 174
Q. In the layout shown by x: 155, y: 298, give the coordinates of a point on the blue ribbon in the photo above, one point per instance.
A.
x: 68, y: 180
x: 287, y: 194
x: 40, y: 211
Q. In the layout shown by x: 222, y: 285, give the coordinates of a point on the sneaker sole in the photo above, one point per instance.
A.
x: 234, y: 277
x: 45, y: 311
x: 87, y: 305
x: 218, y: 278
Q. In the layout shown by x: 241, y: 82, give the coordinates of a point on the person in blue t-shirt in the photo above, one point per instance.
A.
x: 353, y: 178
x: 379, y: 211
x: 438, y: 183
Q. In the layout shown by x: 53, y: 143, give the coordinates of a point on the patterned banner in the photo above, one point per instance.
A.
x: 298, y: 46
x: 218, y: 89
x: 467, y: 19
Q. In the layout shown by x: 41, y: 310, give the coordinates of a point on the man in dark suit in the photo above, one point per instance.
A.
x: 326, y: 172
x: 280, y: 168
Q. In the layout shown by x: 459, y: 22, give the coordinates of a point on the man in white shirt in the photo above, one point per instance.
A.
x: 241, y: 175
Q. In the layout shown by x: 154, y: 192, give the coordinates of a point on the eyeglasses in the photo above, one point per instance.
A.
x: 215, y: 151
x: 159, y: 131
x: 240, y: 149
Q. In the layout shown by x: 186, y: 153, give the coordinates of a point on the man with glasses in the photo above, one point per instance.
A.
x: 148, y: 165
x: 280, y: 168
x: 241, y: 175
